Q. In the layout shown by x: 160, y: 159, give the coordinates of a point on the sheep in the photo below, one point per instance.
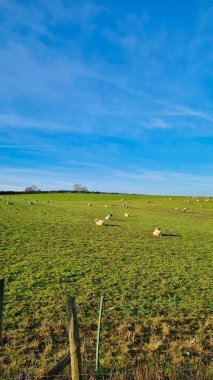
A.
x: 126, y: 215
x: 9, y: 203
x: 30, y: 203
x: 157, y: 232
x: 99, y: 222
x: 184, y: 209
x: 125, y: 205
x: 105, y: 206
x: 89, y: 204
x: 108, y: 217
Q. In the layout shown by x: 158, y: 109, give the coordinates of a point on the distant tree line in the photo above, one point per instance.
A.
x: 77, y: 188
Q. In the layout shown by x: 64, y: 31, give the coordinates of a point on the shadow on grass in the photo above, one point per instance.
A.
x: 112, y: 225
x: 172, y: 235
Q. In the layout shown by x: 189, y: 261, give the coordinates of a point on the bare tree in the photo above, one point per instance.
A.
x: 80, y: 189
x: 31, y: 189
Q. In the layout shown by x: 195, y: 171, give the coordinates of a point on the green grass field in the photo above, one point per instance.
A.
x: 157, y: 291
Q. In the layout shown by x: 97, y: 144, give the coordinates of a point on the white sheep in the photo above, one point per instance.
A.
x: 108, y: 217
x: 89, y: 204
x: 105, y: 206
x: 157, y: 232
x: 99, y: 222
x: 30, y: 203
x: 126, y: 215
x: 184, y: 209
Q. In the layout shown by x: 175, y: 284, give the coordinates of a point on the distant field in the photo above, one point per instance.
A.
x: 158, y: 292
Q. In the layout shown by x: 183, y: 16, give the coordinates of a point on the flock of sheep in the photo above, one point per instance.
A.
x: 100, y: 222
x: 10, y: 202
x: 157, y: 232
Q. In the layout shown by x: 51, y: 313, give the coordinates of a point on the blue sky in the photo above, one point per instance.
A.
x: 115, y: 95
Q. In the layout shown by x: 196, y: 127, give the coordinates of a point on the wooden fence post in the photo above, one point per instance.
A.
x: 1, y: 305
x: 74, y: 339
x: 98, y: 336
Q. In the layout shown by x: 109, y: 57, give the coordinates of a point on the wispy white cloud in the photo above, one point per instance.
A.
x: 15, y: 121
x: 24, y: 147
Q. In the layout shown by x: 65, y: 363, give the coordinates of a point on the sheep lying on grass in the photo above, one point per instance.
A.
x: 108, y: 217
x: 99, y: 222
x: 157, y: 232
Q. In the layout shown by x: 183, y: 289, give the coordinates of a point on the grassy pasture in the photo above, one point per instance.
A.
x: 158, y: 292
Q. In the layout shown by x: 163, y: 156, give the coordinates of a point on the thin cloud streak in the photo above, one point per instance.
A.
x: 25, y: 147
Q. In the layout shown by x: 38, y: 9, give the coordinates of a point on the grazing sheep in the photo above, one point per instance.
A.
x: 36, y: 200
x: 126, y: 215
x: 89, y: 204
x: 99, y: 222
x: 9, y: 203
x: 105, y: 206
x: 30, y: 203
x: 184, y: 209
x: 157, y: 232
x: 108, y: 217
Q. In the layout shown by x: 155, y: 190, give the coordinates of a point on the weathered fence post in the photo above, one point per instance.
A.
x: 98, y: 336
x: 74, y: 339
x: 1, y: 305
